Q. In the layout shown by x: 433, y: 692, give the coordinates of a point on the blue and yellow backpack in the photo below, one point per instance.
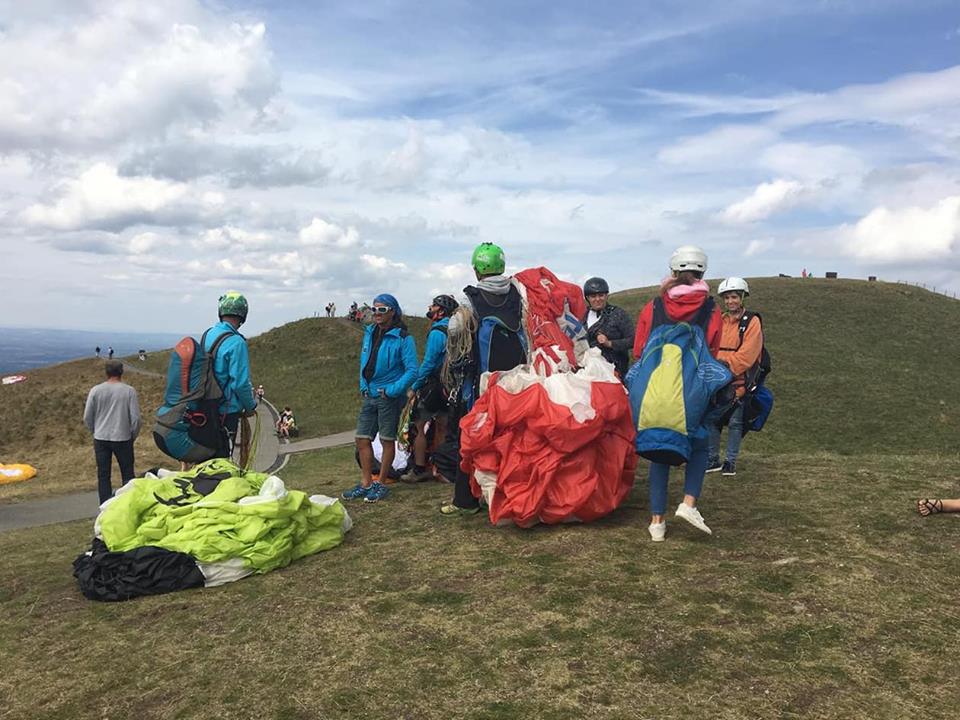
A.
x: 672, y: 385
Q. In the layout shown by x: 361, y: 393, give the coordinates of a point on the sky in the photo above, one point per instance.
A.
x: 156, y: 155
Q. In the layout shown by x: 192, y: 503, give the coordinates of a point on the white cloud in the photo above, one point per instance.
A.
x: 100, y: 197
x: 766, y: 199
x: 143, y: 242
x: 757, y: 247
x: 722, y: 146
x: 904, y: 235
x: 320, y: 233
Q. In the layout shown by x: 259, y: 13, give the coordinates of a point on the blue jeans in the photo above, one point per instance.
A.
x: 379, y: 414
x: 694, y: 471
x: 734, y: 436
x: 104, y: 451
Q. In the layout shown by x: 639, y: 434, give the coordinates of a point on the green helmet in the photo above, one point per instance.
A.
x: 233, y: 303
x: 488, y: 259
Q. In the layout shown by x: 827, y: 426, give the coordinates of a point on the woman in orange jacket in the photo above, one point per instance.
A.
x: 741, y: 355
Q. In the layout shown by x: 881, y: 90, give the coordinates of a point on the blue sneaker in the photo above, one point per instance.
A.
x: 356, y: 492
x: 376, y: 492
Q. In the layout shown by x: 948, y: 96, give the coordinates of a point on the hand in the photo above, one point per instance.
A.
x: 410, y: 393
x: 603, y: 340
x: 364, y: 393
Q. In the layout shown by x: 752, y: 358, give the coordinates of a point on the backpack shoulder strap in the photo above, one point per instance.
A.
x: 440, y: 329
x: 745, y: 319
x: 659, y: 313
x: 218, y: 342
x: 702, y: 318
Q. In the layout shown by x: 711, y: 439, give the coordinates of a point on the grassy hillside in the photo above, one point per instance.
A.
x: 859, y: 367
x: 41, y: 423
x: 313, y: 366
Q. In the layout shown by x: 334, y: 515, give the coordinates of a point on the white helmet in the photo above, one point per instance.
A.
x: 734, y: 284
x: 688, y: 257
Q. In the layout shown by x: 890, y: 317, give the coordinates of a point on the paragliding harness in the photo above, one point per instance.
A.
x: 189, y: 426
x: 673, y: 385
x: 757, y: 401
x: 432, y: 396
x: 501, y: 341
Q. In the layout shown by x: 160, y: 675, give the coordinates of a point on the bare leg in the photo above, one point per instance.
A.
x: 386, y: 460
x: 365, y: 448
x: 420, y: 445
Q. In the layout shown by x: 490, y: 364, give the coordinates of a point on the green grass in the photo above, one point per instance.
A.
x: 313, y: 366
x: 821, y: 595
x: 858, y: 367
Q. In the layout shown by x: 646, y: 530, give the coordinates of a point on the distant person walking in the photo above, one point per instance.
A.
x: 97, y: 350
x: 110, y: 353
x: 112, y: 414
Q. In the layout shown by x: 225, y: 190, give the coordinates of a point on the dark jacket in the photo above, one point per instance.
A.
x: 617, y: 326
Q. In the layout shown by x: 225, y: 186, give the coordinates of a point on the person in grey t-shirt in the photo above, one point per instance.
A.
x: 112, y: 414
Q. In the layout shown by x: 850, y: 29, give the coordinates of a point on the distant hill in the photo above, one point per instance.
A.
x: 859, y: 368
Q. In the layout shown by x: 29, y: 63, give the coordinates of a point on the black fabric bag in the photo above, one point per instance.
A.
x: 115, y: 576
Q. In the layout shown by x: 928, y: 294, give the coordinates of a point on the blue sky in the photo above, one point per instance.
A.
x: 153, y: 157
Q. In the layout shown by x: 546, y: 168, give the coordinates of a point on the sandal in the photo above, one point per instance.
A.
x: 929, y: 507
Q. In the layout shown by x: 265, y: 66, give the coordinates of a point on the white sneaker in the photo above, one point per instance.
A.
x: 693, y: 516
x: 658, y: 531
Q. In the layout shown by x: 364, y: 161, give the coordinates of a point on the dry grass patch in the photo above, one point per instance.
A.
x: 821, y: 595
x: 41, y: 424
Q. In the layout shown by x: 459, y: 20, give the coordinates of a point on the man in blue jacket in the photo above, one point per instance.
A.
x: 388, y: 367
x: 429, y: 390
x: 231, y: 367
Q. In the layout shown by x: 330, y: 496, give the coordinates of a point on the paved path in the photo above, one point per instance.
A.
x: 320, y: 443
x: 84, y: 506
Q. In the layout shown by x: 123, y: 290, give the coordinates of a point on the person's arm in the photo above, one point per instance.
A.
x: 365, y: 345
x: 643, y: 329
x: 239, y: 369
x: 749, y: 353
x: 625, y: 330
x: 715, y: 331
x: 90, y: 411
x: 134, y: 410
x: 408, y: 354
x: 432, y: 357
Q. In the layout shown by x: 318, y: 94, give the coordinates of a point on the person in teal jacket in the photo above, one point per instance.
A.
x: 428, y: 389
x: 388, y: 367
x: 231, y: 367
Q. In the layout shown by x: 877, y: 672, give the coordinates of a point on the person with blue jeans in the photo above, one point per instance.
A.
x: 682, y: 295
x: 388, y: 367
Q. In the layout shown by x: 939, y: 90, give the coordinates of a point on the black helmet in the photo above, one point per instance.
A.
x: 446, y: 303
x: 595, y: 285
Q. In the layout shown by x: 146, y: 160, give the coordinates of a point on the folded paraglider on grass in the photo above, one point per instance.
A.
x: 205, y: 527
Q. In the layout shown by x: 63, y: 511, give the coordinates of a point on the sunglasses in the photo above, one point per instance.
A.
x: 380, y: 310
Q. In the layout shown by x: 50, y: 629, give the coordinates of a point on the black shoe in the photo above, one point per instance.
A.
x: 729, y: 469
x: 713, y: 464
